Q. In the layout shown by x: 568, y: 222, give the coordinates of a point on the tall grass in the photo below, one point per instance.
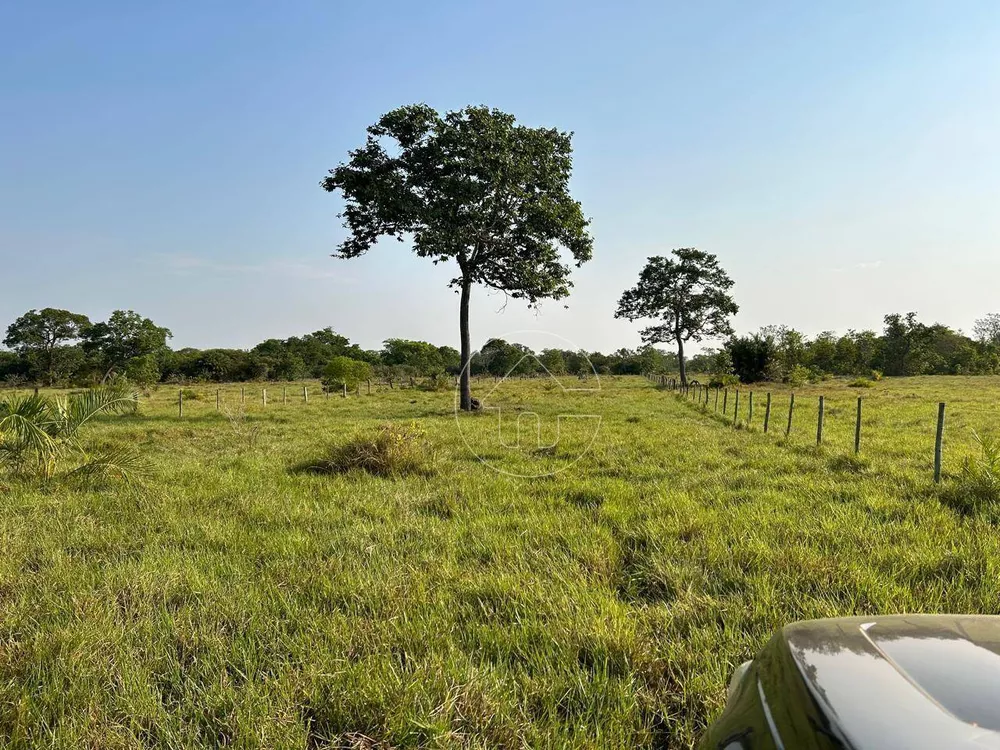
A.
x: 238, y: 602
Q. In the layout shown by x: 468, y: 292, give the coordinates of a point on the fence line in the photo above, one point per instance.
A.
x: 682, y: 390
x: 699, y: 394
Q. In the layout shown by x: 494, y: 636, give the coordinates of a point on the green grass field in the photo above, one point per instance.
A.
x: 597, y: 593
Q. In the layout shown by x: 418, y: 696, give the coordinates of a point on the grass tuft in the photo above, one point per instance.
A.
x: 977, y: 488
x: 850, y: 463
x: 392, y: 451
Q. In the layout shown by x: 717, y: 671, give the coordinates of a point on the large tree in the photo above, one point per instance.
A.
x: 470, y: 186
x: 125, y: 336
x: 688, y: 294
x: 39, y: 334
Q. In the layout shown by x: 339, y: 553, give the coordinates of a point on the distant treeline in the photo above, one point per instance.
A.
x: 905, y: 347
x: 58, y: 347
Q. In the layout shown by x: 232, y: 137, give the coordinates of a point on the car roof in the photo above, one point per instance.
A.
x: 913, y: 681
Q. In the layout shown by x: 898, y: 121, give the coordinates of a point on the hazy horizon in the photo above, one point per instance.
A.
x: 841, y: 162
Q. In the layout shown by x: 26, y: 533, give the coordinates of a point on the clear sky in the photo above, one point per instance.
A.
x: 841, y: 159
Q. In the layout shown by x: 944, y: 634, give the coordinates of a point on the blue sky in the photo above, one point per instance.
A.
x: 841, y: 159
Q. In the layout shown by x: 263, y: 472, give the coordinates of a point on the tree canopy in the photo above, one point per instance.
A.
x: 125, y: 335
x: 688, y: 294
x: 471, y: 186
x: 38, y: 335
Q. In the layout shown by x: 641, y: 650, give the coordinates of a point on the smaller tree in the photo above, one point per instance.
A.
x: 752, y: 358
x: 502, y: 358
x: 721, y: 369
x: 123, y: 337
x: 987, y: 329
x: 553, y: 361
x: 38, y: 335
x: 421, y: 357
x: 344, y: 371
x: 688, y: 294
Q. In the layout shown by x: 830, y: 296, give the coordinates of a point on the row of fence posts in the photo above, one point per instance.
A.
x: 696, y: 391
x: 263, y: 396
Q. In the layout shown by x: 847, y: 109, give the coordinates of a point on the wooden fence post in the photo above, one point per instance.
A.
x: 180, y: 403
x: 716, y: 399
x: 750, y: 411
x: 284, y: 394
x: 736, y: 408
x: 938, y: 439
x: 369, y: 386
x: 725, y: 400
x: 791, y: 408
x: 305, y: 394
x: 243, y: 395
x: 345, y: 390
x: 218, y: 399
x: 857, y: 429
x: 767, y: 413
x: 263, y: 397
x: 819, y: 423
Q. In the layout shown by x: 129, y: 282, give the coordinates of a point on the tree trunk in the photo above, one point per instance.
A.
x: 680, y: 360
x: 465, y: 385
x: 50, y: 375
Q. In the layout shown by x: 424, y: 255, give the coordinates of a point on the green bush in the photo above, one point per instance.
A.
x: 344, y: 371
x: 190, y: 395
x: 724, y: 381
x: 818, y: 375
x: 437, y: 383
x: 799, y: 376
x: 860, y: 383
x: 876, y: 375
x: 394, y: 450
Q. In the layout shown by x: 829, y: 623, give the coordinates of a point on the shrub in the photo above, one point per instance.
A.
x: 394, y: 450
x: 876, y: 375
x: 752, y: 357
x: 978, y: 486
x: 817, y: 375
x: 437, y: 383
x: 190, y: 395
x: 860, y: 383
x: 247, y: 432
x: 798, y: 377
x: 724, y: 381
x: 344, y: 371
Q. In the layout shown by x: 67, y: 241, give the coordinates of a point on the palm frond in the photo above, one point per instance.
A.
x: 34, y: 408
x: 25, y: 430
x: 119, y: 462
x: 77, y: 410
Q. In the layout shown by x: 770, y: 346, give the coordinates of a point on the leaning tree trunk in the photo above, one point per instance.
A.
x: 465, y: 384
x: 680, y: 360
